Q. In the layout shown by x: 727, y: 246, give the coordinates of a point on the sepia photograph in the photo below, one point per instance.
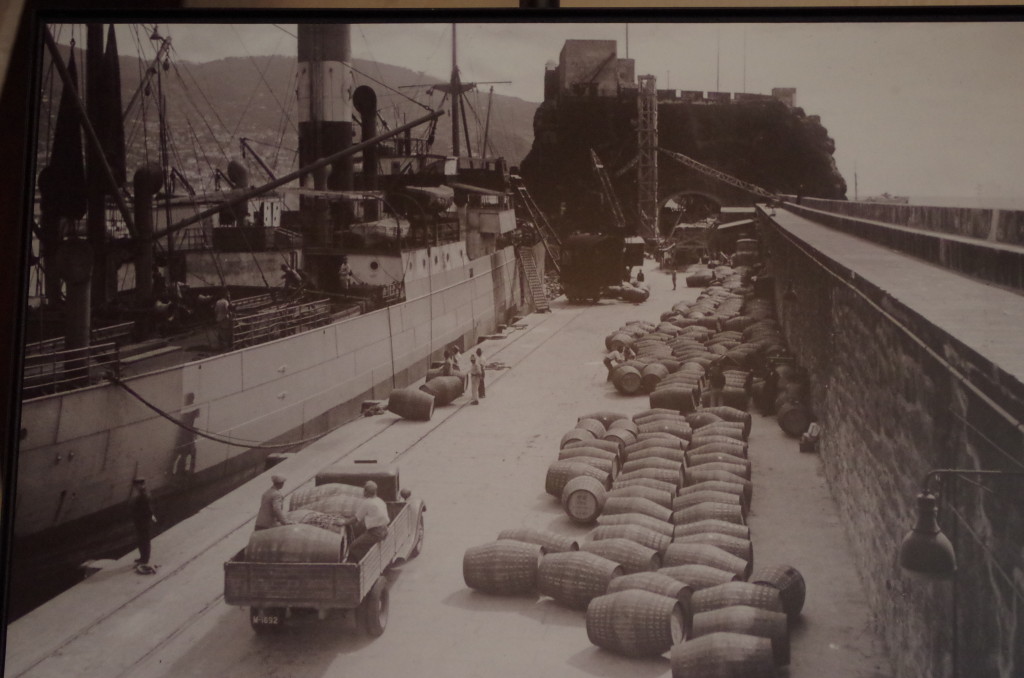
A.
x: 492, y: 343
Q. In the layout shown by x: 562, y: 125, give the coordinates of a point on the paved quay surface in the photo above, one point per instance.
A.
x: 480, y: 470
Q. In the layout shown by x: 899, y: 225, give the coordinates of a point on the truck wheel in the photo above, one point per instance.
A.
x: 375, y: 608
x: 418, y: 546
x: 266, y: 619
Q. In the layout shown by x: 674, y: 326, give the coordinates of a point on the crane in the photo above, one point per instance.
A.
x: 718, y: 174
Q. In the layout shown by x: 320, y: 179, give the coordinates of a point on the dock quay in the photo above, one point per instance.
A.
x: 480, y: 469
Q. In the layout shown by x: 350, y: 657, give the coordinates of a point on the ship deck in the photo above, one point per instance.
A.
x: 480, y: 470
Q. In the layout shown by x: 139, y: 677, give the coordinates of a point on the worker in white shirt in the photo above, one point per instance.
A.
x: 372, y: 512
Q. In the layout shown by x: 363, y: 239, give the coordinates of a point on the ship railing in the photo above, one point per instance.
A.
x: 66, y: 369
x: 438, y: 234
x: 275, y: 323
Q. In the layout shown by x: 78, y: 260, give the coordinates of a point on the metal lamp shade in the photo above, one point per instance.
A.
x: 925, y: 549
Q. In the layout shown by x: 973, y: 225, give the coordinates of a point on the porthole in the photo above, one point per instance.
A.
x: 374, y: 265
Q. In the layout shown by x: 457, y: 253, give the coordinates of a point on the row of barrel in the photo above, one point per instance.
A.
x: 321, y: 518
x: 671, y: 559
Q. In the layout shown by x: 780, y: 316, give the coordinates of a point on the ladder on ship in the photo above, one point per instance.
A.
x: 547, y: 234
x: 529, y: 266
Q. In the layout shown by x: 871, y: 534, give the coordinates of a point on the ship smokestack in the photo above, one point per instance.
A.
x: 324, y: 100
x: 365, y: 101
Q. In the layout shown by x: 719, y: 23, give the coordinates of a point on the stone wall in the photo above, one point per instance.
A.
x: 897, y: 398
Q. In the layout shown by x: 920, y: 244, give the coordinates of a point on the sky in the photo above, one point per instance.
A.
x: 919, y: 109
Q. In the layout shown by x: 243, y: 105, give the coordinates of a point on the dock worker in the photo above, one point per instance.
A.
x: 615, y: 357
x: 271, y: 512
x: 476, y: 373
x: 291, y: 277
x: 143, y: 519
x: 673, y: 278
x: 716, y: 383
x: 373, y: 514
x: 483, y: 371
x: 222, y: 315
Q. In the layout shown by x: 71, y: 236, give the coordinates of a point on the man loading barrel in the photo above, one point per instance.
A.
x: 372, y: 512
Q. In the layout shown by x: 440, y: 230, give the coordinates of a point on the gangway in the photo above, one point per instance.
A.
x: 543, y: 226
x: 529, y: 264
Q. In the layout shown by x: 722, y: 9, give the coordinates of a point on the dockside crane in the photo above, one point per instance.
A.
x: 721, y: 176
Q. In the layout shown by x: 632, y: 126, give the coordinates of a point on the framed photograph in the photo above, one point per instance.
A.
x: 594, y: 280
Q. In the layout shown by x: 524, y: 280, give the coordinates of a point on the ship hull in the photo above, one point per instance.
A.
x: 80, y: 450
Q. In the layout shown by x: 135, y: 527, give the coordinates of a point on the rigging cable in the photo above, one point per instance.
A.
x: 213, y: 436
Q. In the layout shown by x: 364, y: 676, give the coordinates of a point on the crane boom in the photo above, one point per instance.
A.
x: 718, y: 174
x: 609, y: 192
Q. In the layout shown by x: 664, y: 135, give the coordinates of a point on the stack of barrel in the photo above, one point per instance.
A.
x: 320, y: 530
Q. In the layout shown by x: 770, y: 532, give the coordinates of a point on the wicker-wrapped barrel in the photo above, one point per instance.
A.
x: 735, y: 449
x: 302, y: 498
x: 732, y: 429
x: 583, y: 499
x: 653, y: 462
x: 551, y: 542
x: 733, y: 414
x: 444, y: 389
x: 752, y: 621
x: 651, y: 376
x: 711, y: 525
x: 575, y: 578
x: 697, y: 475
x: 621, y: 436
x: 663, y: 585
x: 645, y: 482
x: 738, y: 546
x: 654, y: 410
x: 737, y: 593
x: 606, y: 445
x: 632, y: 556
x: 724, y: 655
x: 697, y: 459
x: 699, y: 576
x: 561, y: 472
x: 678, y: 429
x: 669, y: 441
x: 592, y: 425
x: 714, y: 486
x: 575, y: 435
x: 741, y: 469
x: 658, y: 452
x: 626, y: 379
x: 788, y: 581
x: 296, y: 543
x: 636, y: 505
x: 660, y: 497
x: 635, y: 623
x: 606, y: 417
x: 687, y: 499
x: 664, y: 475
x: 702, y: 418
x: 411, y: 403
x: 588, y: 455
x: 624, y: 423
x: 644, y: 536
x: 325, y: 521
x: 655, y: 524
x: 503, y: 567
x: 678, y: 553
x: 337, y: 504
x: 697, y: 441
x: 731, y: 513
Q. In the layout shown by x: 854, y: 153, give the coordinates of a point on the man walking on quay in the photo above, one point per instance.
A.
x: 271, y: 512
x: 483, y: 371
x: 673, y: 278
x: 143, y: 519
x: 475, y: 375
x: 373, y: 514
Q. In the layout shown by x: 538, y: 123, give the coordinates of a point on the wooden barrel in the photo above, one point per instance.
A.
x: 670, y: 418
x: 583, y: 499
x: 301, y: 498
x: 698, y: 458
x: 752, y: 621
x: 411, y: 403
x: 653, y: 462
x: 677, y: 398
x: 295, y: 543
x: 732, y: 429
x: 656, y: 440
x: 680, y: 429
x: 732, y: 513
x: 503, y: 567
x: 574, y: 579
x: 740, y: 469
x: 714, y: 486
x: 606, y: 445
x: 663, y: 585
x: 654, y: 410
x: 609, y: 466
x: 550, y: 542
x: 724, y: 655
x: 324, y: 521
x: 620, y: 436
x: 651, y: 376
x: 674, y: 455
x: 635, y: 623
x: 644, y: 536
x: 702, y: 440
x: 561, y: 472
x: 702, y: 418
x: 592, y: 425
x: 705, y: 554
x: 711, y: 525
x: 618, y: 341
x: 659, y: 497
x: 632, y: 556
x: 697, y: 475
x: 687, y: 499
x: 645, y: 482
x: 735, y: 448
x: 641, y: 519
x: 733, y: 414
x: 636, y: 505
x: 699, y: 576
x: 664, y: 475
x: 794, y: 418
x: 576, y: 435
x: 606, y: 417
x: 626, y: 380
x: 737, y: 546
x: 737, y: 593
x: 788, y: 581
x: 585, y: 454
x: 444, y: 389
x: 624, y: 423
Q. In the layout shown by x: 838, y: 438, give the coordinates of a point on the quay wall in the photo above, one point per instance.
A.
x: 897, y: 397
x: 987, y: 244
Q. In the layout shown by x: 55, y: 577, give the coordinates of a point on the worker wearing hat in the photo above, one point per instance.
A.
x: 272, y: 506
x: 372, y: 512
x: 143, y: 519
